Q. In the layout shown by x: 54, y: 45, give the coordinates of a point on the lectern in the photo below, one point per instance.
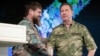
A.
x: 11, y: 35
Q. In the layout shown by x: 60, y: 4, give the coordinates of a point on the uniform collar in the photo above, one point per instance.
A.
x: 25, y: 18
x: 73, y: 22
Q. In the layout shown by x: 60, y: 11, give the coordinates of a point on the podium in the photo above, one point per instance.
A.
x: 11, y: 35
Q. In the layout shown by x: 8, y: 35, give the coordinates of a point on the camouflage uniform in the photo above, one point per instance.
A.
x: 33, y: 38
x: 70, y: 42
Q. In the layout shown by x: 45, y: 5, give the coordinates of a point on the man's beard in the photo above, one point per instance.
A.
x: 36, y: 21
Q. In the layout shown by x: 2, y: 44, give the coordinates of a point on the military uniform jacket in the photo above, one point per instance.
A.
x: 70, y: 42
x: 33, y: 38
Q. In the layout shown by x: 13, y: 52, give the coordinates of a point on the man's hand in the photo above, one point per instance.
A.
x: 91, y: 52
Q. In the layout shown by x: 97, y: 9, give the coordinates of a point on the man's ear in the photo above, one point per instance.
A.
x: 31, y: 11
x: 72, y: 12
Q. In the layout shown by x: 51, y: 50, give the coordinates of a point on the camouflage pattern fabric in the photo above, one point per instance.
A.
x: 33, y: 38
x: 70, y: 42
